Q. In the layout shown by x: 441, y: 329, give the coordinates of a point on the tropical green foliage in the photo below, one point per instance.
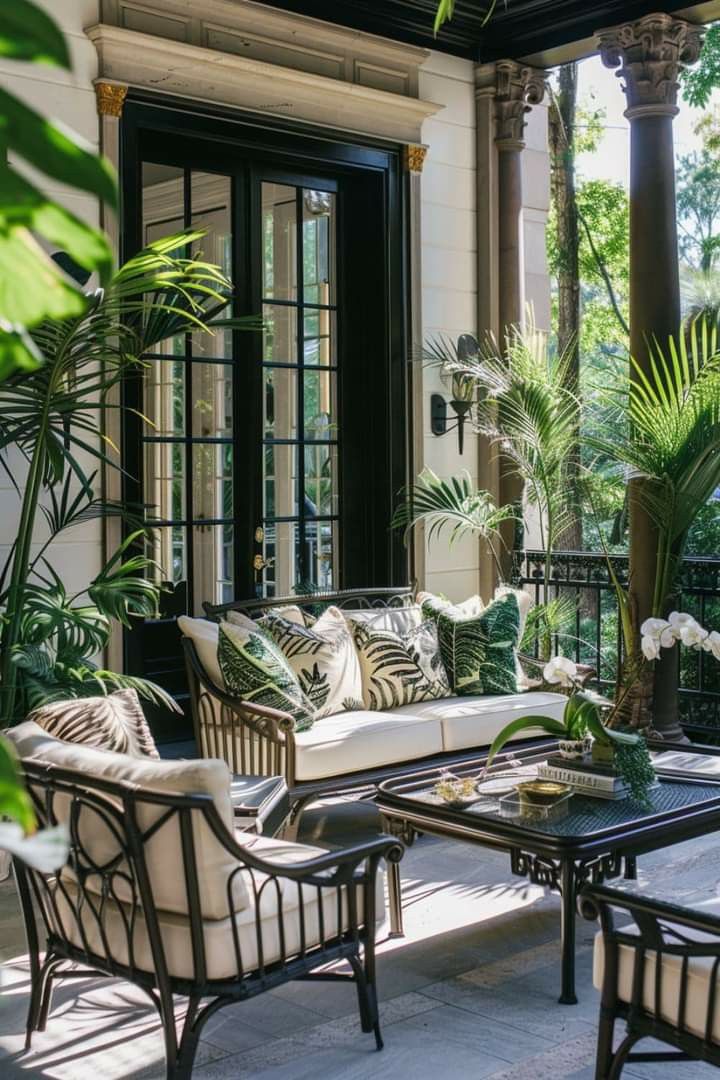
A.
x: 455, y: 504
x: 32, y: 288
x: 698, y: 197
x: 699, y: 81
x: 52, y: 419
x: 673, y: 411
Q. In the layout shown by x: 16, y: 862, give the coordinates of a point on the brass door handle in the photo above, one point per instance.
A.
x: 260, y: 563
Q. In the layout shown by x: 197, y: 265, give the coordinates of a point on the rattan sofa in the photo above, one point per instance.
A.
x: 159, y: 889
x: 348, y: 751
x: 657, y: 966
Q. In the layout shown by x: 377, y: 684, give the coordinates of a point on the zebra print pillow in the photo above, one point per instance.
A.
x: 323, y: 658
x: 115, y: 722
x: 400, y: 669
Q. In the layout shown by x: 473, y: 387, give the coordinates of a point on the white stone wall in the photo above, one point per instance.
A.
x: 449, y: 283
x: 449, y: 271
x: 69, y: 98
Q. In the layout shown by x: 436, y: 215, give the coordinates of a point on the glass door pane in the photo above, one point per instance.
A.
x: 188, y: 393
x: 300, y: 433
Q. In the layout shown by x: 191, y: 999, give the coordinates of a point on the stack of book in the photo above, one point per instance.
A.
x: 585, y: 776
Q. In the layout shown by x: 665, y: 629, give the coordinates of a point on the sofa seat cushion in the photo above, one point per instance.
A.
x: 701, y: 980
x: 475, y: 721
x: 163, y: 849
x: 354, y: 741
x: 258, y: 942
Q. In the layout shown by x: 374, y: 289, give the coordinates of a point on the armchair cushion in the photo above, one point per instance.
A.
x: 164, y: 849
x: 259, y: 941
x: 111, y: 722
x: 701, y: 980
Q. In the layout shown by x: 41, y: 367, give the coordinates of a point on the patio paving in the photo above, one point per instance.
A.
x: 470, y: 991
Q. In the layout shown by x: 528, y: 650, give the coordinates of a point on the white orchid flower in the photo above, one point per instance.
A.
x: 711, y: 644
x: 560, y: 671
x: 654, y: 627
x: 45, y: 850
x: 650, y: 647
x: 679, y: 619
x: 693, y: 635
x: 667, y: 638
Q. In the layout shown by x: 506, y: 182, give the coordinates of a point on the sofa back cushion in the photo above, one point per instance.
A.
x: 324, y: 659
x: 163, y: 850
x: 479, y: 651
x: 397, y: 619
x: 204, y: 636
x: 112, y: 722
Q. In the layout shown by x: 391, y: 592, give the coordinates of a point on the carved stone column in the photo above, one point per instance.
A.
x: 517, y: 88
x: 649, y: 55
x: 513, y: 88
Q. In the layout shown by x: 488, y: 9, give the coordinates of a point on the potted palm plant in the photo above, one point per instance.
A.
x: 54, y: 417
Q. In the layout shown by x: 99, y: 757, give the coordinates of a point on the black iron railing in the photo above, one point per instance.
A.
x: 591, y: 631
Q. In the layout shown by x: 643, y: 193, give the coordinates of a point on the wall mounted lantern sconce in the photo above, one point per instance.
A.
x: 439, y: 417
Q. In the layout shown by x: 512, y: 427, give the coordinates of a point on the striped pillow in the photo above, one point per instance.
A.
x: 115, y: 722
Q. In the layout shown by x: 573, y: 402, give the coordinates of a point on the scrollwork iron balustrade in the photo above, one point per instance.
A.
x: 595, y: 637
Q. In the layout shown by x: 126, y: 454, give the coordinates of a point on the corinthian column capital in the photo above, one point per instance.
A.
x: 517, y: 88
x: 649, y: 54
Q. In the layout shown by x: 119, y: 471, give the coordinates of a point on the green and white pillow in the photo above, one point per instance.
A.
x: 255, y: 669
x: 479, y: 651
x: 400, y: 669
x: 323, y: 658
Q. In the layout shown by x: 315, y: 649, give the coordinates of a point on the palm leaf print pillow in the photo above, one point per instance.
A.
x: 400, y: 669
x: 479, y: 651
x: 255, y: 670
x: 323, y: 658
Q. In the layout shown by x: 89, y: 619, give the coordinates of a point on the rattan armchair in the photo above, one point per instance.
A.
x: 240, y: 922
x: 659, y: 973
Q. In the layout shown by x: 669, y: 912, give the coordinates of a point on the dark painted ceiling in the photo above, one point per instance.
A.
x: 517, y: 27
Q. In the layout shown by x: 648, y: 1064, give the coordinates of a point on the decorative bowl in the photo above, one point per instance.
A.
x: 542, y: 792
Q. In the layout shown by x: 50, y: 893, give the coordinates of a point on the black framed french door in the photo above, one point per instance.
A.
x: 272, y: 459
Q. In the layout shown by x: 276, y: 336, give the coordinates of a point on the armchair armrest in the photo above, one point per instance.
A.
x: 655, y: 919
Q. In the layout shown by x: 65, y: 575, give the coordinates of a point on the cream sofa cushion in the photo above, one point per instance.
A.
x: 163, y: 850
x: 700, y: 980
x: 204, y: 636
x: 258, y: 942
x: 467, y: 722
x: 397, y: 619
x: 353, y: 741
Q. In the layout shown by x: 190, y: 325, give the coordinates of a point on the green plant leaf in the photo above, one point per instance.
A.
x: 14, y: 800
x: 31, y: 286
x: 526, y: 723
x: 18, y: 352
x: 21, y: 204
x: 57, y: 154
x: 28, y: 33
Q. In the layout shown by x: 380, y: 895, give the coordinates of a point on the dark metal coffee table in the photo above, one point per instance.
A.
x: 597, y: 839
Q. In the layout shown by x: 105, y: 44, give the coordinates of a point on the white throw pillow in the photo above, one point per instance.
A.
x: 204, y: 636
x: 323, y: 658
x: 400, y: 669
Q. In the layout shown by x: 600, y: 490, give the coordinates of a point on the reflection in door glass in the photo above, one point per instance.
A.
x: 299, y: 356
x: 188, y: 400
